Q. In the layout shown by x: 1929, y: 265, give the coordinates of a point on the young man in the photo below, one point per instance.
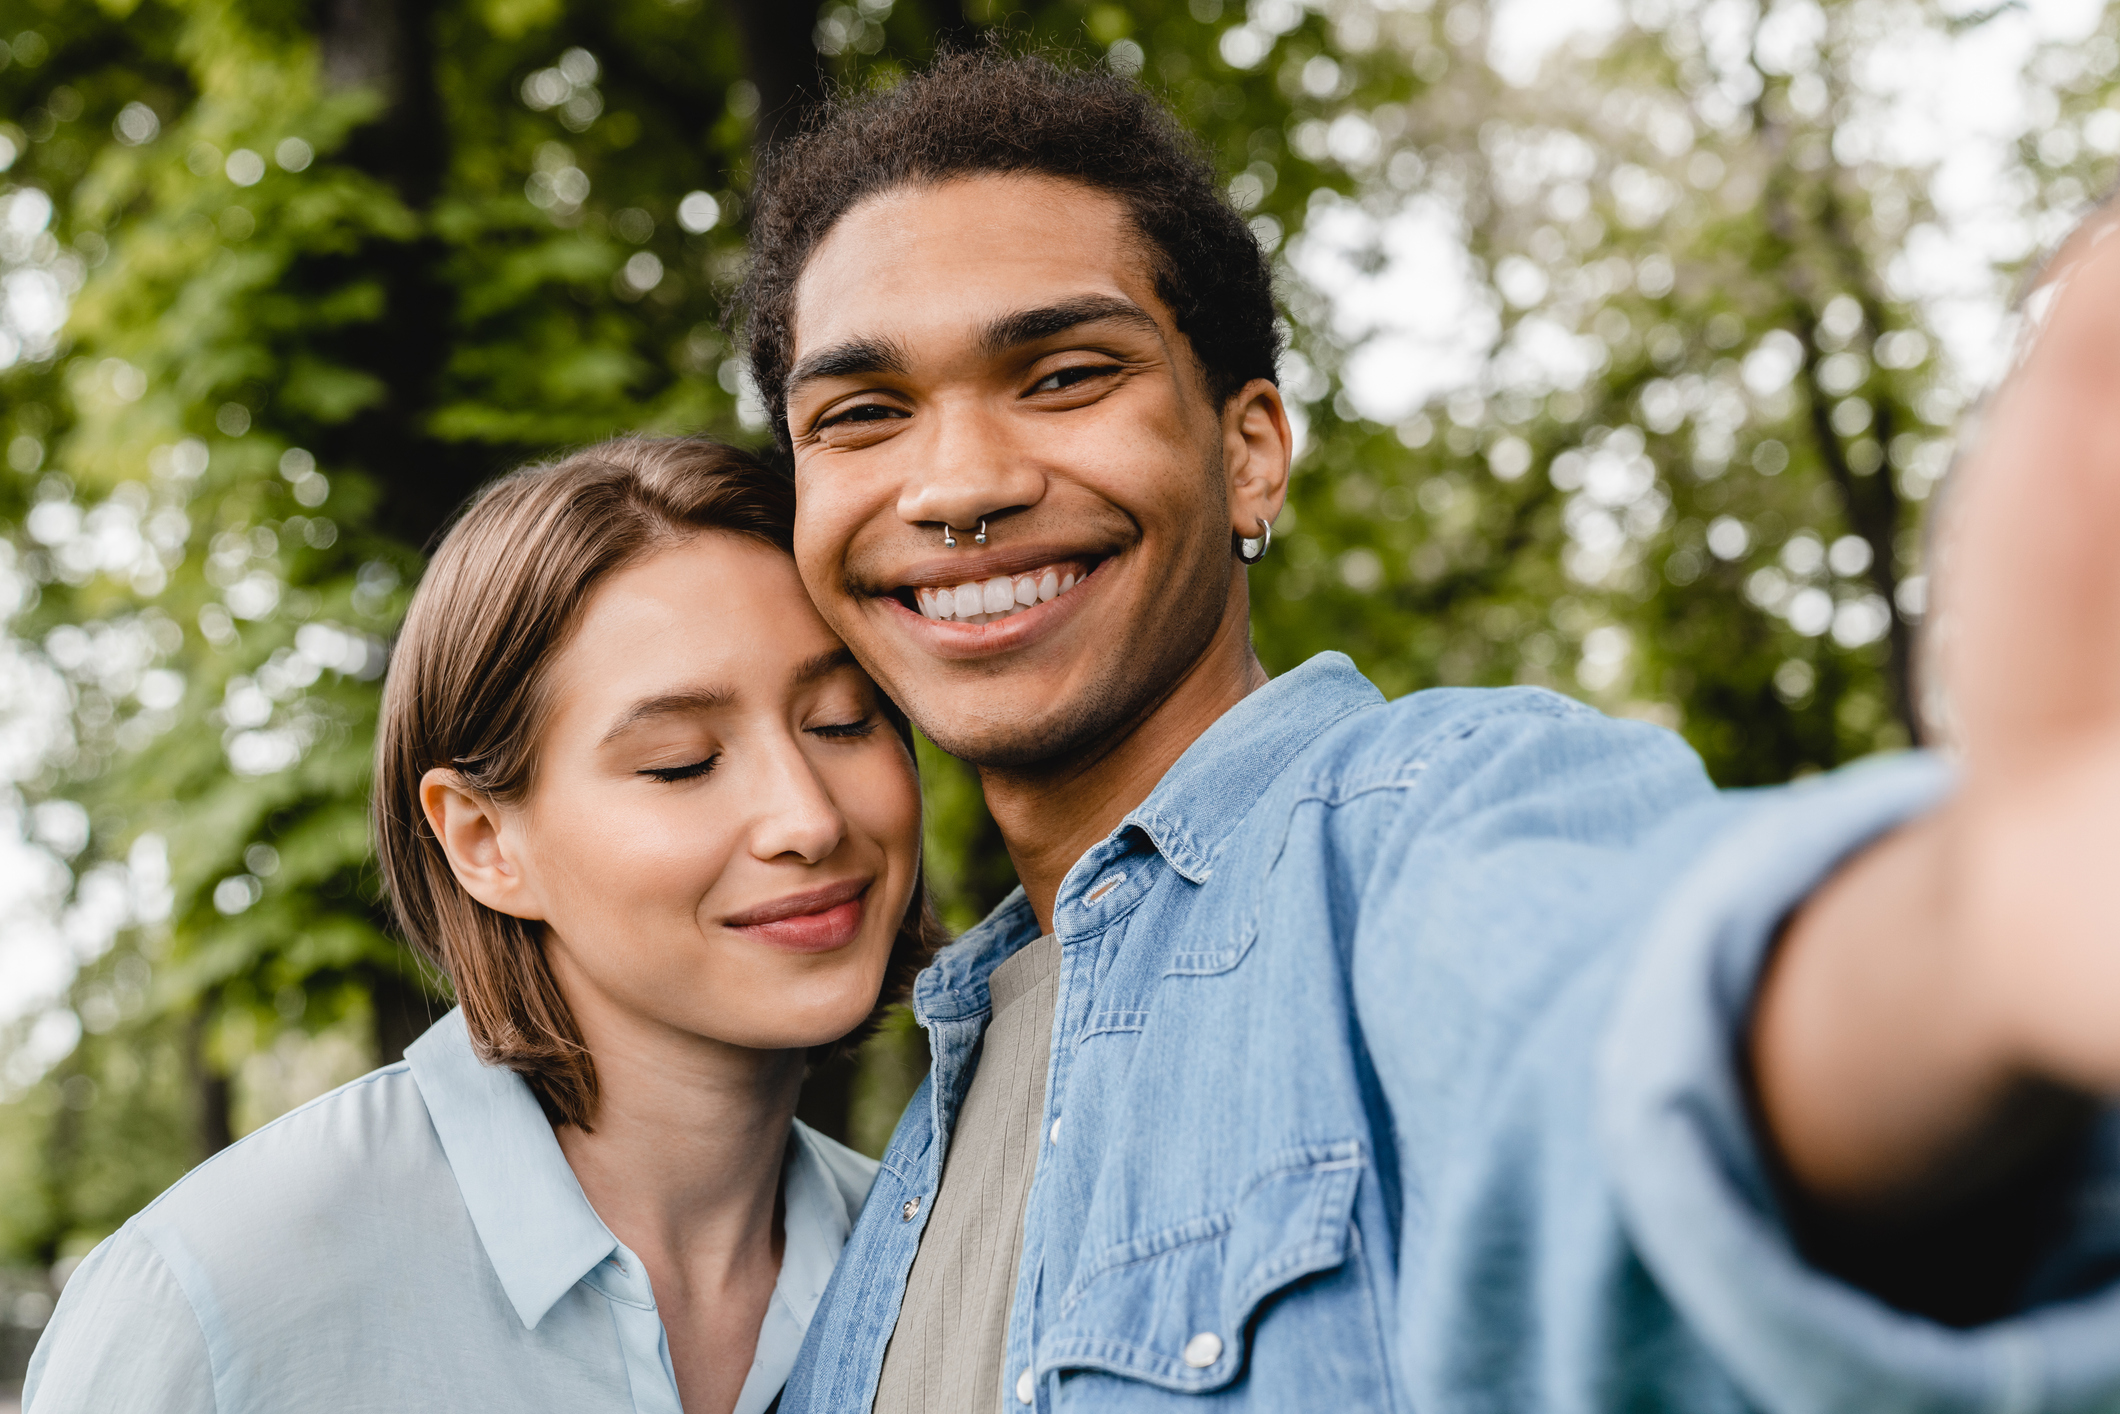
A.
x: 1463, y: 1052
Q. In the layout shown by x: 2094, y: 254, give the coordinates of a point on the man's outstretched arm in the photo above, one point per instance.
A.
x: 1941, y: 1012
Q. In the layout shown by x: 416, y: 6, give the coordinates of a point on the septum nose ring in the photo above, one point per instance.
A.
x: 949, y: 539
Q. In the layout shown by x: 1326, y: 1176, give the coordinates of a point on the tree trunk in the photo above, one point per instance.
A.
x: 402, y: 1011
x: 950, y: 26
x: 387, y: 46
x: 780, y: 52
x: 210, y: 1088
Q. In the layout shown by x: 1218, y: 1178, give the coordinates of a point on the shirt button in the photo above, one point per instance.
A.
x: 1026, y: 1388
x: 911, y: 1208
x: 1203, y: 1350
x: 1053, y: 1134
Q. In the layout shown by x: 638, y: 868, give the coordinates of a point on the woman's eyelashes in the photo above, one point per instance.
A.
x: 843, y: 731
x: 851, y: 730
x: 691, y: 770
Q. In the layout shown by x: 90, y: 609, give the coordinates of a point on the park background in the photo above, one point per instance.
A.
x: 1628, y: 343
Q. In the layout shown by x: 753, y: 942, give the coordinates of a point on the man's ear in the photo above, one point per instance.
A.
x: 483, y: 850
x: 1257, y: 447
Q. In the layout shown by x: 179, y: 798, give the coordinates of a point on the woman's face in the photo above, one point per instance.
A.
x: 723, y: 831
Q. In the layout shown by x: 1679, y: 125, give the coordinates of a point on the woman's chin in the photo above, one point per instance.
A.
x: 799, y: 1024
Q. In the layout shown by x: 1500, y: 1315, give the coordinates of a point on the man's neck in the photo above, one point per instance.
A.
x: 1051, y: 813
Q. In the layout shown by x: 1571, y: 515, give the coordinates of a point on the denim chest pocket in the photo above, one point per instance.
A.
x: 1175, y: 1308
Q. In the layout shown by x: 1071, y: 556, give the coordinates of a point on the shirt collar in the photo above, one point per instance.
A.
x: 953, y: 986
x: 1189, y: 814
x: 530, y: 1212
x: 1212, y: 787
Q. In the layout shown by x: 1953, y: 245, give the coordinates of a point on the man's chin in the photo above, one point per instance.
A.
x: 1050, y: 734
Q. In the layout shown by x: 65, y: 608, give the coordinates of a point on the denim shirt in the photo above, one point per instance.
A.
x: 1395, y: 1067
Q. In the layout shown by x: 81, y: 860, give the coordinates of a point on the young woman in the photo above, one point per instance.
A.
x: 662, y: 834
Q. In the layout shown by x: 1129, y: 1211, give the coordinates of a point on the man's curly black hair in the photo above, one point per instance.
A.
x: 989, y: 112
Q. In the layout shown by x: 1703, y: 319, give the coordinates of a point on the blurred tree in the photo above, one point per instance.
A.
x: 329, y: 279
x: 1683, y: 470
x: 331, y: 265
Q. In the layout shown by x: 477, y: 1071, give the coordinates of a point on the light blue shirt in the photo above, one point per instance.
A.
x: 411, y: 1241
x: 1397, y: 1068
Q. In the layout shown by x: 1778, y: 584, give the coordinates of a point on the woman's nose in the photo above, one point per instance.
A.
x: 796, y: 815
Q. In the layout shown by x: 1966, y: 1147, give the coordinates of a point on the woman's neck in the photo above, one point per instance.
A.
x: 683, y: 1164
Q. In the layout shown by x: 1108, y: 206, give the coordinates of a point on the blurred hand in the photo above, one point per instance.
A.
x: 2027, y: 652
x: 1938, y: 1008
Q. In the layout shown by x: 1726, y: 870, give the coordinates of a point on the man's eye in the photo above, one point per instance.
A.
x: 865, y: 412
x: 1065, y: 378
x: 669, y: 774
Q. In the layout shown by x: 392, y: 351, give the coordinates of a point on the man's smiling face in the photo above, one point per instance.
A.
x: 993, y: 349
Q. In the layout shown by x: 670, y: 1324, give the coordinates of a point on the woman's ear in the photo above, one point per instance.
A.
x: 483, y: 851
x: 1257, y: 447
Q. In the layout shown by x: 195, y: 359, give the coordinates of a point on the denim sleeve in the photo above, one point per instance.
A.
x: 1687, y: 1175
x: 124, y: 1340
x: 1560, y: 928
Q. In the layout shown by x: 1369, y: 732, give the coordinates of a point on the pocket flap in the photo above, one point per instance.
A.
x: 1174, y: 1308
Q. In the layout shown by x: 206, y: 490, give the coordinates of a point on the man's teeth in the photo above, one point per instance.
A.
x: 984, y: 600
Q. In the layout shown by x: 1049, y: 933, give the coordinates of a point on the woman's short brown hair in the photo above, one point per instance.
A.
x: 467, y: 689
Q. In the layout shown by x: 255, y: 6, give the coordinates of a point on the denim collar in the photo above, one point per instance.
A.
x: 1188, y: 816
x: 536, y: 1223
x: 1211, y: 788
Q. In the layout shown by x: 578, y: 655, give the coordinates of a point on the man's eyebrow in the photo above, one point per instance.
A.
x: 668, y: 704
x: 855, y: 358
x: 1027, y: 326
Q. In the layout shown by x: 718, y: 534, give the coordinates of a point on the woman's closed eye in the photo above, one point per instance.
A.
x: 691, y: 770
x: 846, y: 731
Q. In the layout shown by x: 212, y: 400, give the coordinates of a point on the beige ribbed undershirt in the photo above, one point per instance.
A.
x: 946, y: 1355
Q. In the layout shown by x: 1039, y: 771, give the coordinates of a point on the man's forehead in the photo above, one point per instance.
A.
x: 954, y: 258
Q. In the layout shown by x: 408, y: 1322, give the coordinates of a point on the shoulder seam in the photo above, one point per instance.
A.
x: 1334, y: 783
x: 380, y: 1073
x: 213, y: 1374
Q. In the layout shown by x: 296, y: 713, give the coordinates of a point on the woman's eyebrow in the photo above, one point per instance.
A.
x: 823, y: 665
x: 668, y: 704
x: 711, y: 699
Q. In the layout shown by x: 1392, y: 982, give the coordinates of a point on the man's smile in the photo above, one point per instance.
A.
x: 982, y: 601
x: 945, y: 603
x: 986, y: 586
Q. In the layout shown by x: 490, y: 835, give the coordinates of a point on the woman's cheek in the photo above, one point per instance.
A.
x: 886, y: 800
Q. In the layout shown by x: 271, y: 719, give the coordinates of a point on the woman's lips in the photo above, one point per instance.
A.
x: 819, y: 920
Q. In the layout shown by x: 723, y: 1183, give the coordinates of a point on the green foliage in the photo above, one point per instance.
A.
x: 327, y: 287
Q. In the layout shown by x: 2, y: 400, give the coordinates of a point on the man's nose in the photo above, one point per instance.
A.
x: 967, y: 469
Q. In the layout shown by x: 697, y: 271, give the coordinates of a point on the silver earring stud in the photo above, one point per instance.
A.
x: 949, y: 541
x: 1252, y: 548
x: 980, y: 538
